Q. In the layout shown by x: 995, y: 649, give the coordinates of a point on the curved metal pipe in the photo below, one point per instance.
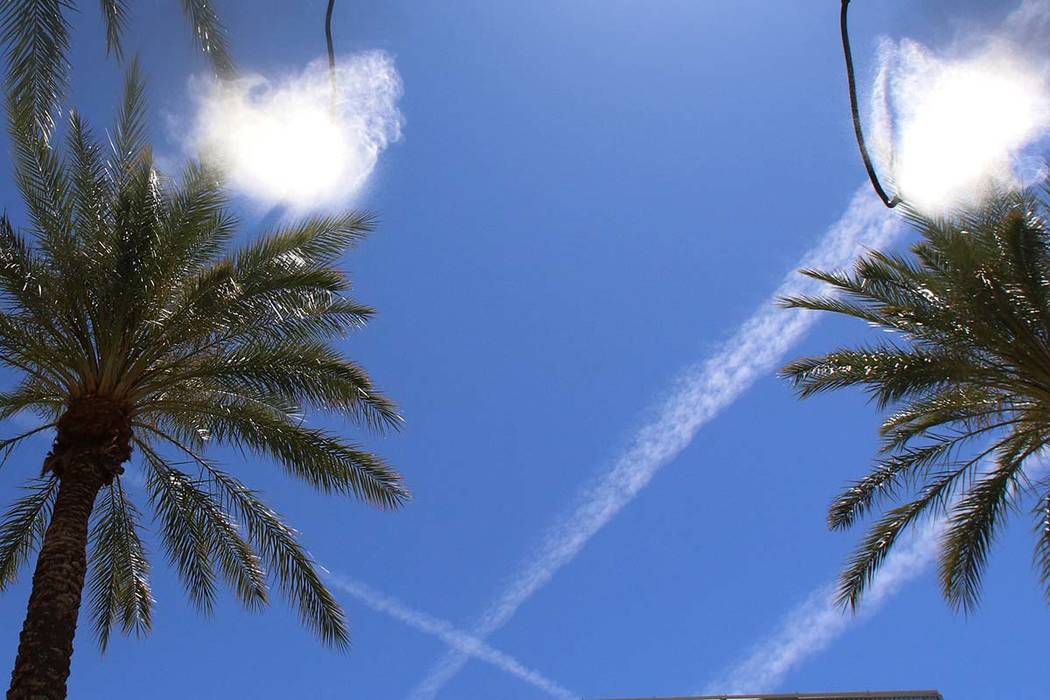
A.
x: 331, y: 48
x: 844, y: 29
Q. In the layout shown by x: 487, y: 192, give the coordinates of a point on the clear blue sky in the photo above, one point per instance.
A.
x: 589, y: 196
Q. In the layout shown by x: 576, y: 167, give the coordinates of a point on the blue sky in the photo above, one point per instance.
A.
x: 588, y: 199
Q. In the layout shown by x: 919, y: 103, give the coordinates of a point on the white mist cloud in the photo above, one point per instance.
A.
x: 948, y: 126
x: 455, y: 638
x: 291, y: 141
x: 700, y: 394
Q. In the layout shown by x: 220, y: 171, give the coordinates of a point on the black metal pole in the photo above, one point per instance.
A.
x: 844, y: 28
x: 331, y: 48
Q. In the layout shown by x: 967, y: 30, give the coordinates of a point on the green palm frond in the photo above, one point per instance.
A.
x: 22, y: 527
x: 199, y: 531
x: 322, y: 460
x: 1042, y: 546
x: 209, y: 34
x: 118, y: 588
x: 302, y: 372
x: 115, y: 14
x: 286, y: 560
x: 129, y: 133
x: 880, y: 538
x: 35, y: 35
x: 969, y: 360
x: 976, y: 517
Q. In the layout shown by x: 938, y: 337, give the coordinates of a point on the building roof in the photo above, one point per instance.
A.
x: 858, y: 695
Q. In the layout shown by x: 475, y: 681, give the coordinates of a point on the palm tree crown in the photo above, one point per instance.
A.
x: 135, y: 332
x: 966, y: 379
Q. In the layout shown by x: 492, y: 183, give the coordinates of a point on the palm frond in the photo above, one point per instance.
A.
x: 293, y: 567
x: 320, y: 459
x: 193, y: 518
x: 288, y: 562
x: 115, y: 14
x: 23, y: 525
x: 129, y: 137
x: 887, y: 372
x: 35, y: 35
x: 880, y: 538
x: 210, y: 35
x: 1042, y: 546
x: 973, y: 523
x: 310, y: 373
x: 118, y: 589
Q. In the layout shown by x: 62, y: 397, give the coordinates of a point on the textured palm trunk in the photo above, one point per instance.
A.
x: 45, y: 647
x: 93, y: 440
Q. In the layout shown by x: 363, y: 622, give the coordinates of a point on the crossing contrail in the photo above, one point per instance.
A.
x: 457, y: 639
x: 699, y: 395
x: 935, y: 171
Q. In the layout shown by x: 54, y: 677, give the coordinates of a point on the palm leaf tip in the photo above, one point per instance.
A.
x: 22, y: 526
x: 119, y: 590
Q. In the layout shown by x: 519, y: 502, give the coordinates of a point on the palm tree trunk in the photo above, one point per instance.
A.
x: 45, y: 647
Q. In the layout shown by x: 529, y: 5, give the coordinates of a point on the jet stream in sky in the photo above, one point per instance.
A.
x: 699, y: 395
x: 456, y: 639
x: 927, y: 93
x: 815, y: 623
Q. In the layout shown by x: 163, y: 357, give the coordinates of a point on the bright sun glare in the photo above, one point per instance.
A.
x: 289, y: 143
x: 963, y: 124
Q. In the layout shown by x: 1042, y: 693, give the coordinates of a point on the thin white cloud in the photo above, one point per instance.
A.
x: 699, y: 395
x: 293, y: 141
x: 455, y: 638
x: 815, y: 623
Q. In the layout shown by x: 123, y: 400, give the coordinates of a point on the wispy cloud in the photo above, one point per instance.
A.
x: 699, y: 395
x: 457, y: 639
x: 293, y: 141
x: 815, y: 623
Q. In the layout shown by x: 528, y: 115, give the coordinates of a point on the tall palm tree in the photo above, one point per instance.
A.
x: 35, y: 35
x: 134, y: 332
x: 965, y: 376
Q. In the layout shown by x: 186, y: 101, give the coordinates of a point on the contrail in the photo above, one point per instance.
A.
x: 935, y: 172
x: 1016, y: 62
x: 699, y: 395
x: 819, y: 620
x: 457, y: 639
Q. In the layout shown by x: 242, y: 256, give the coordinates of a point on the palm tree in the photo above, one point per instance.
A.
x: 966, y: 378
x: 135, y: 332
x: 35, y: 35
